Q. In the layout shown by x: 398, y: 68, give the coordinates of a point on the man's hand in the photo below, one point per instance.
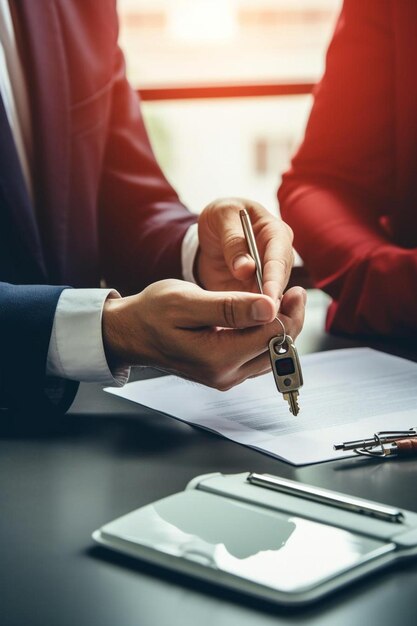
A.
x: 215, y: 338
x: 223, y: 262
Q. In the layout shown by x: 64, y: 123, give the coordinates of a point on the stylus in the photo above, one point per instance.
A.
x: 323, y: 496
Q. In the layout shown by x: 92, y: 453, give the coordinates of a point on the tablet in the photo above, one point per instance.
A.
x: 276, y: 554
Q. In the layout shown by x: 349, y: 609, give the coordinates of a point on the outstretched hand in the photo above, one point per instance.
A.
x: 215, y: 338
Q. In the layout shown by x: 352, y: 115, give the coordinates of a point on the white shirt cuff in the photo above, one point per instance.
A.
x: 188, y: 252
x: 76, y: 349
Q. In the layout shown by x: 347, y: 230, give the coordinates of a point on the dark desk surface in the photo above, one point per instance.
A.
x: 107, y: 457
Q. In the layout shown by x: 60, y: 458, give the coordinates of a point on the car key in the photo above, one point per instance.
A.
x: 286, y: 369
x: 283, y: 354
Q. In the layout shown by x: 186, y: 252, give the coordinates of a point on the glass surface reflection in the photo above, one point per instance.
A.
x: 271, y: 548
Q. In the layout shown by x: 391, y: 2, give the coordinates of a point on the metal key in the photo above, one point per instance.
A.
x: 286, y: 369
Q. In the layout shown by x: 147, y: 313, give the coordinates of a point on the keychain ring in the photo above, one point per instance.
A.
x: 284, y: 334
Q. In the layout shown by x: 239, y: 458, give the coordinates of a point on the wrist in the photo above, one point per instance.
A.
x: 126, y: 333
x: 112, y: 332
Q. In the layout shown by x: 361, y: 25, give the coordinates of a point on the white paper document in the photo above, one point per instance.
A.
x: 347, y: 394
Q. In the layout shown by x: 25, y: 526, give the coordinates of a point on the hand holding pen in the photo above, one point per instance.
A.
x: 216, y: 333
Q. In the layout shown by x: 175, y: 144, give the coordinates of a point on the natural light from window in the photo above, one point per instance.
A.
x: 211, y: 148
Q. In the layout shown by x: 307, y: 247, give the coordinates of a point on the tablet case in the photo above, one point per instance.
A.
x: 271, y: 545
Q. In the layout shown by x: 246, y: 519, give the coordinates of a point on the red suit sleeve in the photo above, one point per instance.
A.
x: 339, y: 192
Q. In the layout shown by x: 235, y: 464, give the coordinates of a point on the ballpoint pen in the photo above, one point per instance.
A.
x: 253, y: 251
x: 384, y: 443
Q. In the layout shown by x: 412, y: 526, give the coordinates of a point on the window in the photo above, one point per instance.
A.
x: 225, y: 146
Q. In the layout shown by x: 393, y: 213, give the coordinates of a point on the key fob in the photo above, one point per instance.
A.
x: 285, y: 364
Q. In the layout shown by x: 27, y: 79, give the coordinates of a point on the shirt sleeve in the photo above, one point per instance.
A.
x: 76, y: 349
x: 189, y: 249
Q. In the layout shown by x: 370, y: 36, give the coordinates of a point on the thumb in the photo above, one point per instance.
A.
x: 228, y: 309
x: 235, y: 249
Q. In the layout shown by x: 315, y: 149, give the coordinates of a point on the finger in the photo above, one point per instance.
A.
x: 292, y: 310
x: 278, y: 257
x: 241, y: 346
x: 255, y: 367
x: 250, y: 343
x: 227, y: 309
x: 235, y: 249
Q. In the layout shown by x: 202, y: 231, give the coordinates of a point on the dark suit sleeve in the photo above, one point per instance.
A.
x: 142, y: 221
x: 26, y: 319
x: 339, y: 192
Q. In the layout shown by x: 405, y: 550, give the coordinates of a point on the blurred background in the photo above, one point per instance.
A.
x: 216, y: 145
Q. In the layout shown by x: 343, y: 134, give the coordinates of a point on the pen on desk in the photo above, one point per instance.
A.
x: 384, y: 443
x: 383, y: 436
x: 323, y: 496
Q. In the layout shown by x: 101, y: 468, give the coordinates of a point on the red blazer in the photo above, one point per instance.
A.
x: 351, y: 192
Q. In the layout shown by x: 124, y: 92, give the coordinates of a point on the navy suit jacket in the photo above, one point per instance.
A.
x: 102, y: 208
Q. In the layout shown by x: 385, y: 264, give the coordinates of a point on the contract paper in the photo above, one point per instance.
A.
x: 347, y: 394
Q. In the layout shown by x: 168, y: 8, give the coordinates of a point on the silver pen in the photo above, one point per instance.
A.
x: 323, y: 496
x: 380, y: 438
x: 253, y: 249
